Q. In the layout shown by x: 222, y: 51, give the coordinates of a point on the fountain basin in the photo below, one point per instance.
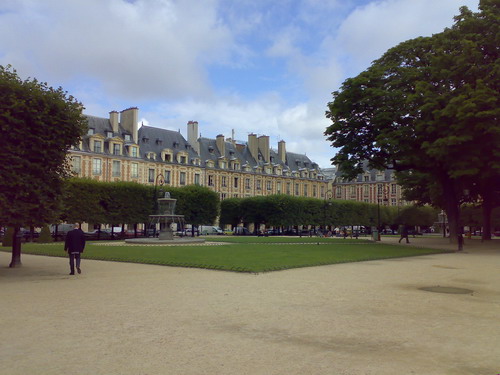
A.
x: 157, y: 241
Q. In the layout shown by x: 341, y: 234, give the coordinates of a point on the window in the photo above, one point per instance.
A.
x: 236, y: 182
x: 77, y: 164
x: 96, y: 166
x: 393, y: 202
x: 288, y: 190
x: 116, y: 149
x: 183, y: 160
x: 379, y: 189
x: 222, y: 164
x: 269, y: 185
x: 127, y: 137
x: 305, y: 190
x: 224, y: 183
x: 116, y: 168
x: 196, y: 178
x: 210, y: 180
x: 167, y: 177
x: 366, y: 178
x: 133, y: 152
x: 134, y: 170
x: 393, y: 189
x: 380, y: 176
x: 258, y: 186
x: 366, y: 189
x: 315, y: 193
x: 296, y: 189
x: 168, y: 157
x: 109, y: 134
x: 322, y: 191
x: 151, y: 175
x: 247, y: 183
x: 278, y: 187
x: 97, y: 146
x: 353, y: 191
x: 339, y: 192
x: 222, y: 196
x: 182, y: 178
x: 91, y: 131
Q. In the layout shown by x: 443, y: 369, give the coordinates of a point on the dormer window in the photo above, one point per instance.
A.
x: 151, y: 155
x: 145, y: 140
x: 211, y: 149
x: 133, y: 152
x: 116, y: 149
x: 97, y: 146
x: 109, y: 134
x: 167, y: 157
x: 127, y: 137
x: 176, y: 144
x: 158, y: 141
x: 91, y: 131
x: 183, y: 160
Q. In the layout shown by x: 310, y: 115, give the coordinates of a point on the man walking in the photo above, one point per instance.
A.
x: 404, y: 234
x: 74, y: 245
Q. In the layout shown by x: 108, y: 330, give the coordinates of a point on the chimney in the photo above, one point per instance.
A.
x: 282, y: 151
x: 264, y: 147
x: 221, y: 145
x: 253, y: 147
x: 113, y: 119
x: 192, y: 133
x: 128, y: 120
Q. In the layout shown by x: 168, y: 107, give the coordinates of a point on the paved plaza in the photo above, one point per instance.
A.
x: 367, y: 318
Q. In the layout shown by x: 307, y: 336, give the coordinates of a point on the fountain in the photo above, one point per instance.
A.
x: 165, y: 218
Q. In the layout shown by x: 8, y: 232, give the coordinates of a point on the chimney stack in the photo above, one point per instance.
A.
x: 192, y: 133
x: 264, y: 147
x: 253, y: 146
x: 128, y: 120
x: 113, y: 119
x: 282, y: 151
x: 221, y: 145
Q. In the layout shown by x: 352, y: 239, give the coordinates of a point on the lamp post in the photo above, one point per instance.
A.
x: 328, y: 196
x: 159, y: 181
x: 442, y: 220
x: 379, y: 199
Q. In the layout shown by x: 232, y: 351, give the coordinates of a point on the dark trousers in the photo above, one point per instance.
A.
x: 404, y: 237
x: 72, y: 258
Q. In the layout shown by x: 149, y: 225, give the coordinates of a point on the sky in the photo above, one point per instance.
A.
x: 256, y: 66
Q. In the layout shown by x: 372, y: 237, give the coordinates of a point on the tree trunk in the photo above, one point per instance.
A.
x: 452, y: 209
x: 487, y: 210
x: 16, y: 249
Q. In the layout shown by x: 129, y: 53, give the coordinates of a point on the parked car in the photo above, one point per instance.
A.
x: 95, y: 235
x: 241, y: 231
x: 210, y: 230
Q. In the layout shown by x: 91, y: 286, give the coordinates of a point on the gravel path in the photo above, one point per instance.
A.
x: 360, y: 318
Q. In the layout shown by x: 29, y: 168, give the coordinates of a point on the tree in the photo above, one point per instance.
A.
x: 423, y: 109
x: 38, y: 125
x: 198, y: 204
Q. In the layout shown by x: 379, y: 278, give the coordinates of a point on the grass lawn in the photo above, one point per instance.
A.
x: 240, y: 254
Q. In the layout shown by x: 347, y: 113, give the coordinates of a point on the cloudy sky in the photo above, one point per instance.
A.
x: 261, y: 66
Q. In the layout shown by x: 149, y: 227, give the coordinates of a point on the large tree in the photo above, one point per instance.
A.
x: 429, y: 109
x: 38, y: 124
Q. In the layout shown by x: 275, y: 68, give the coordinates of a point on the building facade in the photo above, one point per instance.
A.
x: 371, y: 186
x: 116, y: 149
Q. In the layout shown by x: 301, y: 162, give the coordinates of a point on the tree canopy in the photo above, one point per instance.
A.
x: 428, y: 108
x: 38, y: 125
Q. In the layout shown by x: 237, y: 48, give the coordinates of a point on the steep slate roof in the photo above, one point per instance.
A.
x: 370, y: 171
x: 155, y: 140
x: 101, y: 126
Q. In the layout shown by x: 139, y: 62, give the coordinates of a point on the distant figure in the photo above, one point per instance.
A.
x: 74, y: 245
x: 345, y: 233
x: 404, y: 234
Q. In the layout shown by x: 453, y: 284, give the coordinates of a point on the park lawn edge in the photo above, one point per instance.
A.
x: 420, y: 251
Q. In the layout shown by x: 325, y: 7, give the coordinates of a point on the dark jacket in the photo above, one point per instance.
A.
x: 75, y: 241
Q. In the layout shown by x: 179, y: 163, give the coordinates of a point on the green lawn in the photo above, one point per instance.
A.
x: 242, y: 254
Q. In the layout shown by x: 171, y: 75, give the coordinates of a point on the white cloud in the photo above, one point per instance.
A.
x: 148, y: 48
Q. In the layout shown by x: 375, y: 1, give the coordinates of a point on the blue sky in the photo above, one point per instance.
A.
x: 260, y: 66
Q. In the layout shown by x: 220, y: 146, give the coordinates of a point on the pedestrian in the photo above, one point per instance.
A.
x: 404, y: 234
x: 74, y: 245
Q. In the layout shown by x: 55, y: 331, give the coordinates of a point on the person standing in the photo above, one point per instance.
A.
x: 404, y: 234
x: 74, y: 245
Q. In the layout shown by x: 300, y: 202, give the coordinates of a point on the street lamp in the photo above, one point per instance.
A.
x: 384, y: 199
x: 442, y: 219
x: 159, y: 181
x: 328, y: 196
